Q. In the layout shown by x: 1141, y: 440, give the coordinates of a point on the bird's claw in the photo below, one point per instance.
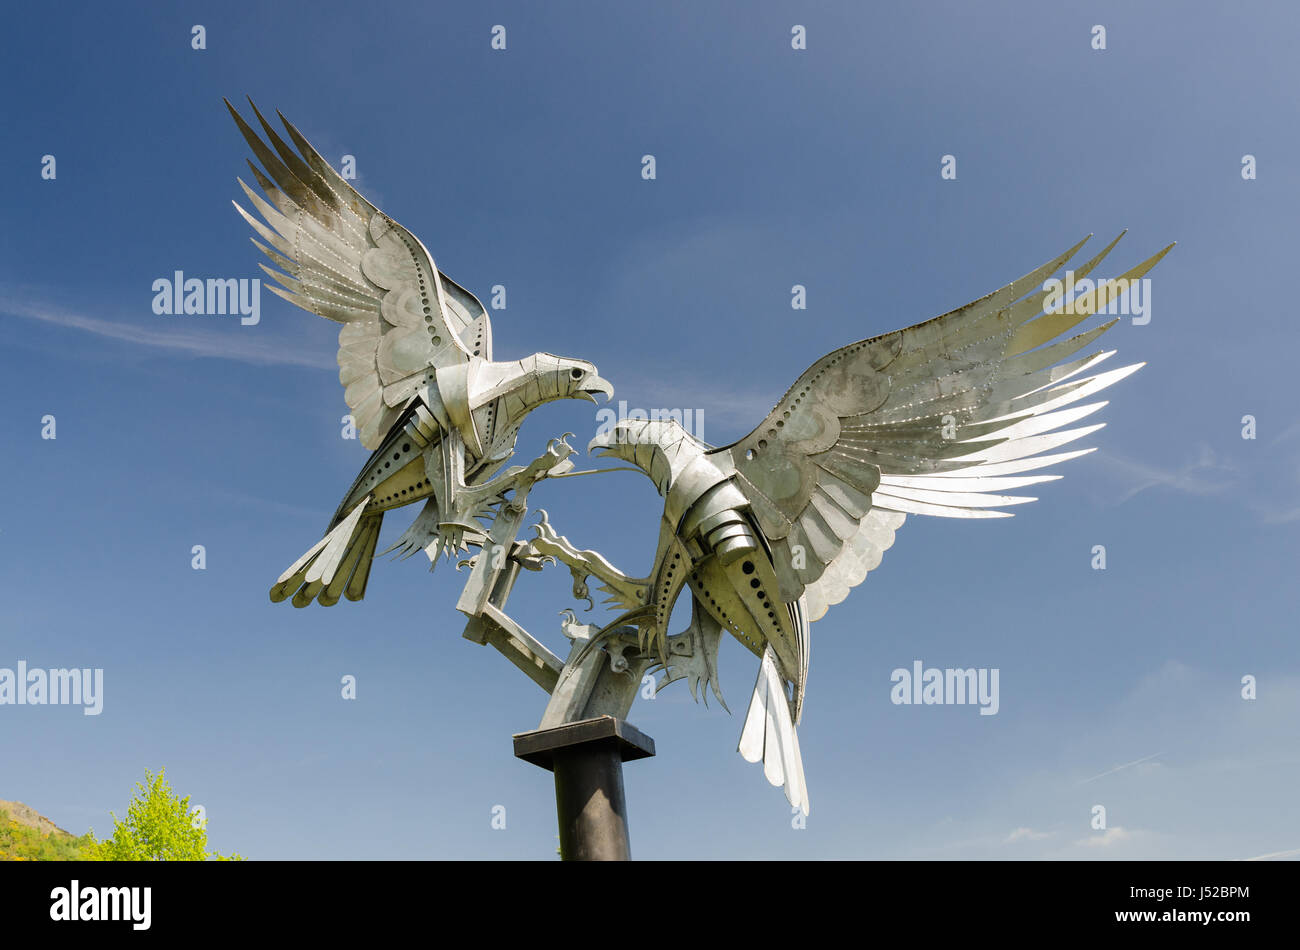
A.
x: 580, y: 590
x: 554, y: 461
x: 533, y: 562
x: 567, y: 448
x: 543, y: 527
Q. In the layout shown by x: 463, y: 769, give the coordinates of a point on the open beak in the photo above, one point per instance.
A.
x: 596, y: 385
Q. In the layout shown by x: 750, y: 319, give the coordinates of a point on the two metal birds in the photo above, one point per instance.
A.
x: 767, y: 533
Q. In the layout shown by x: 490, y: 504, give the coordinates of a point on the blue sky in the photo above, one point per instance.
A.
x: 775, y: 167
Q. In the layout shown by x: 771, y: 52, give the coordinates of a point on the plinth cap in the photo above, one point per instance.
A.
x: 540, y: 745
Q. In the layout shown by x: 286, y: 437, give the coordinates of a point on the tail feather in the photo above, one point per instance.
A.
x: 367, y: 534
x: 769, y: 735
x: 798, y: 611
x: 340, y: 558
x: 356, y: 588
x: 291, y: 579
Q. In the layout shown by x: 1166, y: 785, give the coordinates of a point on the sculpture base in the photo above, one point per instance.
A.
x: 587, y: 758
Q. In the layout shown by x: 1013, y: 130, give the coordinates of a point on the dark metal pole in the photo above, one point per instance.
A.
x: 587, y: 758
x: 590, y: 804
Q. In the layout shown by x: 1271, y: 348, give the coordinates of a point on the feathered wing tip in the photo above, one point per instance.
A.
x: 769, y: 734
x: 336, y: 565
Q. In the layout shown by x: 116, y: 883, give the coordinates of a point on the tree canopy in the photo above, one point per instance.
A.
x: 160, y: 826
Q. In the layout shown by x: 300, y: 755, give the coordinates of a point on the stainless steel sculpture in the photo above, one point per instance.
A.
x: 769, y: 532
x: 415, y: 356
x: 766, y: 534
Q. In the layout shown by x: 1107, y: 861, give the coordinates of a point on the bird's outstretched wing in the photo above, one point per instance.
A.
x: 347, y: 261
x: 936, y: 419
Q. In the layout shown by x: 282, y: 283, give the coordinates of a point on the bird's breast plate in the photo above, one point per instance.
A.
x: 690, y: 485
x: 456, y: 388
x: 713, y: 515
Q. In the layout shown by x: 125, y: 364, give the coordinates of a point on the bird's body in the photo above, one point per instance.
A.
x: 709, y: 542
x: 712, y: 545
x: 769, y: 532
x: 415, y: 360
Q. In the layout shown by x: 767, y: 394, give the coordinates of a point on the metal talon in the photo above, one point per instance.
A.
x: 550, y: 446
x: 580, y: 590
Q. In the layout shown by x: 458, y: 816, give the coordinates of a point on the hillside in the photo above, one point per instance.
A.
x: 27, y: 835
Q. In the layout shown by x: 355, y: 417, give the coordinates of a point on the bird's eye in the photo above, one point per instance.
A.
x: 575, y: 373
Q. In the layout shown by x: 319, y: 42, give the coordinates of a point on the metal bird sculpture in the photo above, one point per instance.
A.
x: 415, y: 358
x: 770, y: 531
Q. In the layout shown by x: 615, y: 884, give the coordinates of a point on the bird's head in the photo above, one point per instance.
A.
x: 577, y: 379
x: 537, y: 379
x: 623, y: 438
x: 558, y: 377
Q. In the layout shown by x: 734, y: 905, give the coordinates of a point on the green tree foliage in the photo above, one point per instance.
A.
x: 20, y: 842
x: 159, y: 827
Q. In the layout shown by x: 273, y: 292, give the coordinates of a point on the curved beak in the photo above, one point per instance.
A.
x: 599, y: 442
x: 594, y: 384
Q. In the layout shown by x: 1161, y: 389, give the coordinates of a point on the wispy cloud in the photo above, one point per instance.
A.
x: 1027, y: 834
x: 1108, y: 838
x: 1118, y: 768
x: 243, y: 344
x: 1275, y: 516
x: 1254, y: 486
x: 1293, y: 853
x: 1205, y: 475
